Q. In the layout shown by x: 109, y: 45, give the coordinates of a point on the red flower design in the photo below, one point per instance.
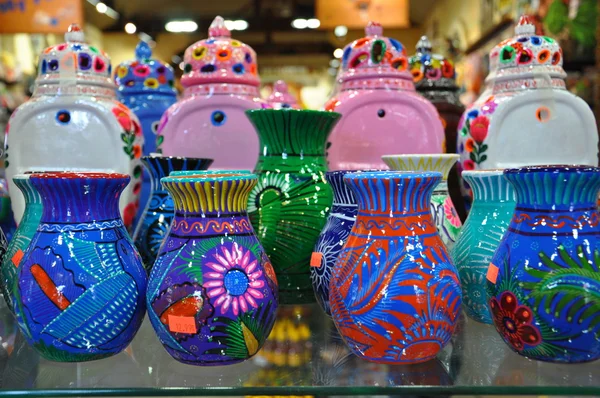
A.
x: 137, y: 151
x: 513, y: 321
x: 479, y: 128
x: 137, y: 129
x: 129, y: 214
x: 470, y: 145
x: 468, y: 164
x: 123, y: 118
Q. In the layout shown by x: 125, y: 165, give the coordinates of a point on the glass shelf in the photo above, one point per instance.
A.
x: 477, y: 362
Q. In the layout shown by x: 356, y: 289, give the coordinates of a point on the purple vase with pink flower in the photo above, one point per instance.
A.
x: 212, y: 293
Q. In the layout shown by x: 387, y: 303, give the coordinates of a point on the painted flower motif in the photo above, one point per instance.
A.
x: 151, y: 82
x: 137, y: 129
x: 489, y: 106
x: 479, y: 128
x: 470, y: 145
x: 233, y: 281
x: 129, y: 214
x: 468, y: 164
x: 141, y: 71
x: 514, y: 321
x: 137, y: 151
x: 450, y: 213
x: 123, y: 118
x: 122, y: 71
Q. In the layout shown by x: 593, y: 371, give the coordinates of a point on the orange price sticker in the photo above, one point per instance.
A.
x: 17, y: 257
x: 182, y: 324
x: 492, y: 273
x: 315, y: 259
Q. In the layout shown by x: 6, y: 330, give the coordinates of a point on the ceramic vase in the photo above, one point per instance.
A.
x: 443, y: 211
x: 544, y: 279
x: 493, y: 207
x: 76, y: 123
x: 395, y: 294
x: 158, y: 214
x: 288, y: 206
x: 212, y: 293
x: 22, y: 236
x: 81, y: 285
x: 333, y: 236
x: 281, y: 98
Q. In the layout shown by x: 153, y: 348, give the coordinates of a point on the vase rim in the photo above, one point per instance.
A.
x: 79, y: 175
x: 201, y: 172
x: 357, y: 171
x: 422, y: 155
x: 155, y: 155
x: 486, y: 172
x: 555, y: 168
x: 391, y: 174
x: 332, y: 115
x: 210, y: 177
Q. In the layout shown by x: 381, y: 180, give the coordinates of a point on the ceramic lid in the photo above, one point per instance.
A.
x: 281, y: 97
x: 374, y: 56
x: 219, y: 59
x: 527, y: 53
x: 431, y: 70
x: 145, y: 74
x: 74, y: 61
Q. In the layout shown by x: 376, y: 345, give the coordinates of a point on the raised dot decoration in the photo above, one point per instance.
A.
x: 218, y: 118
x: 429, y: 69
x: 63, y: 117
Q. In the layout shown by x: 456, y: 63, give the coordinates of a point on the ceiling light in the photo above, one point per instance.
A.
x: 181, y: 65
x: 181, y: 26
x: 130, y: 28
x: 229, y: 24
x: 334, y: 63
x: 240, y: 24
x: 101, y: 8
x: 338, y: 52
x: 299, y: 23
x: 313, y: 23
x: 340, y: 31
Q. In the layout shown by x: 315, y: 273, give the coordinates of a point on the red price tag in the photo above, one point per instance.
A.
x: 182, y: 324
x: 315, y: 259
x: 492, y: 273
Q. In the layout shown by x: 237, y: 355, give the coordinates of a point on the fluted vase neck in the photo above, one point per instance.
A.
x: 162, y: 166
x: 489, y: 186
x: 29, y: 192
x: 342, y: 193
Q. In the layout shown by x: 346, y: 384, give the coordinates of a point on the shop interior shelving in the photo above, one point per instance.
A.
x: 476, y: 362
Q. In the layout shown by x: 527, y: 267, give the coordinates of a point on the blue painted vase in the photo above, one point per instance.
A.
x: 158, y: 214
x: 333, y: 236
x: 544, y: 280
x: 212, y: 293
x: 147, y: 87
x: 81, y: 285
x: 492, y: 210
x: 395, y: 294
x: 22, y: 236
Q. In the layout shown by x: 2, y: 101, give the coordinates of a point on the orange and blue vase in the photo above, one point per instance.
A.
x: 395, y: 295
x: 544, y: 280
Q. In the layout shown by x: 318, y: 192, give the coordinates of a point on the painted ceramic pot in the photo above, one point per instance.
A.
x: 7, y: 220
x: 333, y: 236
x: 435, y: 79
x: 147, y: 87
x: 395, y: 294
x: 381, y: 111
x: 493, y: 207
x: 220, y: 83
x: 544, y: 278
x: 212, y: 294
x: 81, y: 285
x: 22, y: 237
x: 528, y: 94
x: 289, y: 205
x: 158, y: 214
x: 443, y: 211
x: 76, y: 123
x: 281, y: 98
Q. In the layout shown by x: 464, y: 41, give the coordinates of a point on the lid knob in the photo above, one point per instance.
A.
x: 424, y: 45
x: 143, y: 51
x: 74, y: 34
x: 280, y: 87
x: 374, y: 29
x: 525, y: 26
x: 218, y: 29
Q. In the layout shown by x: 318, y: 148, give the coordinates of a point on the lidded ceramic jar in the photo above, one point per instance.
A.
x: 74, y: 122
x: 147, y: 86
x: 220, y: 83
x: 281, y: 97
x: 381, y: 111
x: 530, y: 118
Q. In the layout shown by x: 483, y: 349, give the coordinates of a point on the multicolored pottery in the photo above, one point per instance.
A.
x: 74, y: 122
x: 333, y: 236
x: 394, y: 294
x: 22, y: 237
x: 147, y: 87
x: 381, y: 110
x: 81, y: 284
x: 281, y: 98
x: 493, y: 207
x: 443, y: 211
x: 544, y: 279
x: 289, y: 205
x: 212, y: 294
x: 159, y: 212
x: 220, y: 81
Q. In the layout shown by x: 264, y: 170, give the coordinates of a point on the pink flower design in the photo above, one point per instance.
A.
x: 468, y: 164
x: 234, y: 279
x: 450, y: 213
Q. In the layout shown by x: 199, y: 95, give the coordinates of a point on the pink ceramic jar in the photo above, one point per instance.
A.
x: 381, y: 111
x: 281, y: 98
x: 221, y: 82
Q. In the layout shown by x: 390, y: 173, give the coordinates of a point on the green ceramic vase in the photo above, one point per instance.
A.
x: 289, y: 206
x: 22, y: 236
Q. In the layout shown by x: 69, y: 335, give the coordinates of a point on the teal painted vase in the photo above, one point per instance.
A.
x: 544, y: 279
x: 493, y: 206
x: 22, y: 236
x: 289, y: 205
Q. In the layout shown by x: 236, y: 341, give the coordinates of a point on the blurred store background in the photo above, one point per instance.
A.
x: 298, y: 41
